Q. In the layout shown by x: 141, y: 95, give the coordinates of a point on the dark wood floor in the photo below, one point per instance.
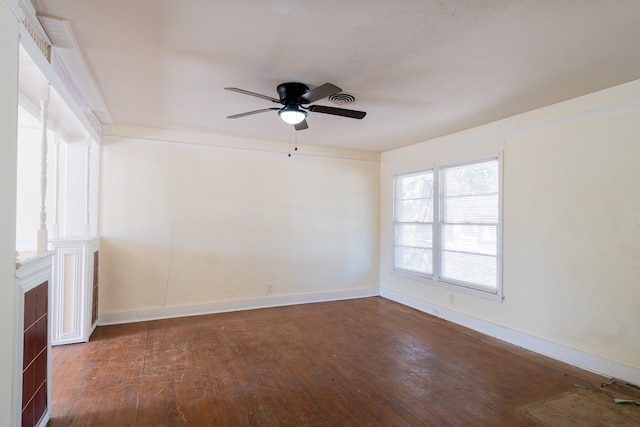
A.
x: 354, y: 363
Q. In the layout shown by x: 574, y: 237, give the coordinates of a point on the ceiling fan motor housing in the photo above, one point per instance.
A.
x: 291, y: 93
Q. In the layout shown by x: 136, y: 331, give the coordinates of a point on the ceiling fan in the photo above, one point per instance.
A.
x: 292, y: 97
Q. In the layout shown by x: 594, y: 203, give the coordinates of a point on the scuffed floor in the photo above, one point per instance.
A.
x: 589, y: 406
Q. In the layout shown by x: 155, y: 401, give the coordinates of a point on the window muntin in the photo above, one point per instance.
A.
x: 455, y: 240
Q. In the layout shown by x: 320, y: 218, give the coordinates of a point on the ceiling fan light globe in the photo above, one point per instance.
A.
x: 292, y: 116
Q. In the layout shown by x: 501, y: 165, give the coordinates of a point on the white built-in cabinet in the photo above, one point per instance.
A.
x: 74, y: 290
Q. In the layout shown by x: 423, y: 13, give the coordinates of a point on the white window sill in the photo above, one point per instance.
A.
x: 494, y: 295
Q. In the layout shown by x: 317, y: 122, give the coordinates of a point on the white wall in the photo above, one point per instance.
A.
x: 8, y: 138
x: 571, y: 223
x: 188, y: 224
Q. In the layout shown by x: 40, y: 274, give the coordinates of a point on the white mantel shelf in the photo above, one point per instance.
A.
x: 25, y: 258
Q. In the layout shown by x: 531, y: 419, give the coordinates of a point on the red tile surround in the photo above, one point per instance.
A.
x: 34, y: 360
x: 94, y: 302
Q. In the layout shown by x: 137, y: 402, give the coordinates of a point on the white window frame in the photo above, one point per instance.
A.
x: 435, y: 278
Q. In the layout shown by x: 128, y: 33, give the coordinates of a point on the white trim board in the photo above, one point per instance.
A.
x: 212, y: 140
x: 236, y: 305
x: 559, y: 352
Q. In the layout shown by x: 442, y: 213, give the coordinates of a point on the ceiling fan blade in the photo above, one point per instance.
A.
x: 301, y: 126
x: 320, y: 92
x: 246, y: 92
x: 249, y: 113
x: 353, y: 114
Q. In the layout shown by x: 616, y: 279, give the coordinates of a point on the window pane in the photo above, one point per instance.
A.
x: 418, y: 186
x: 414, y: 210
x: 418, y: 235
x: 475, y: 208
x: 479, y: 239
x: 414, y: 259
x: 470, y: 268
x: 477, y: 178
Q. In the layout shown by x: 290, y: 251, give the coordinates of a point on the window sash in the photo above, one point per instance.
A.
x: 414, y: 212
x: 415, y: 260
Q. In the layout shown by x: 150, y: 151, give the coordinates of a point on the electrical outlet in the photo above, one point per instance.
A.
x: 452, y: 299
x: 269, y: 288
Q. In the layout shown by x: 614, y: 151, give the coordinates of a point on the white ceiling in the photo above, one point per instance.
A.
x: 419, y: 68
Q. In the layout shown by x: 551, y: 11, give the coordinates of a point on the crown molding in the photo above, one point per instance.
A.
x: 235, y: 143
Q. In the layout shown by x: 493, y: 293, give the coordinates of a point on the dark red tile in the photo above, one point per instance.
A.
x: 29, y: 307
x: 28, y: 384
x: 40, y: 369
x: 41, y: 330
x: 28, y: 416
x: 94, y: 306
x: 29, y: 346
x: 40, y: 403
x: 42, y: 299
x: 94, y: 303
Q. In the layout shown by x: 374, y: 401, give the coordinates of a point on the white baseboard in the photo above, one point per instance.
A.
x: 237, y: 305
x: 559, y: 352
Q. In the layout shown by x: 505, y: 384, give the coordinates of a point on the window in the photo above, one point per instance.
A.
x: 447, y: 224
